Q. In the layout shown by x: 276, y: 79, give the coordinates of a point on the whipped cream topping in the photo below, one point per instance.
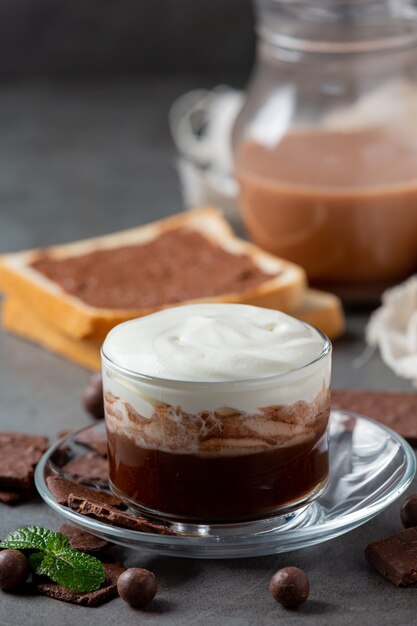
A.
x: 213, y: 343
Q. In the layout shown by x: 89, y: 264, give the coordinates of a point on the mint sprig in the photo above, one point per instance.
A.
x: 55, y: 558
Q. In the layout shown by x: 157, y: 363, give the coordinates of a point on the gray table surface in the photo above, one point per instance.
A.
x: 76, y: 161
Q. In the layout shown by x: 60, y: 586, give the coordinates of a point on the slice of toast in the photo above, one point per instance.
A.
x: 20, y: 321
x: 324, y: 311
x: 320, y: 309
x: 283, y: 286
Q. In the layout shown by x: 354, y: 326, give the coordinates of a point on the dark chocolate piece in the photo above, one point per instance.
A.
x: 61, y: 489
x: 83, y: 540
x: 89, y: 468
x: 93, y: 441
x: 61, y: 456
x: 137, y: 586
x: 409, y: 511
x: 93, y: 396
x: 19, y: 454
x: 395, y: 409
x: 15, y: 497
x: 290, y: 587
x: 114, y: 516
x: 395, y: 557
x: 94, y: 598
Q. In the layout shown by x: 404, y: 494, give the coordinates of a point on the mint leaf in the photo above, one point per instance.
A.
x: 35, y: 559
x: 72, y: 569
x: 34, y: 538
x: 55, y: 558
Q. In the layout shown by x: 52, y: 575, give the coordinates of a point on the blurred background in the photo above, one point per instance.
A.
x: 84, y: 97
x: 61, y: 39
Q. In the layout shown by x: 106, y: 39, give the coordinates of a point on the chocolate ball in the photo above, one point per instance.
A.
x: 137, y: 586
x: 93, y: 396
x: 409, y: 511
x: 290, y: 587
x: 14, y: 569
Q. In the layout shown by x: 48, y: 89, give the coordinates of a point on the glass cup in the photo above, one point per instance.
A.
x: 218, y: 452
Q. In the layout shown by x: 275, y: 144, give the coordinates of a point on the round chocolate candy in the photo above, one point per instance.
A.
x: 290, y: 587
x: 93, y: 397
x: 137, y: 586
x: 409, y: 511
x: 14, y: 569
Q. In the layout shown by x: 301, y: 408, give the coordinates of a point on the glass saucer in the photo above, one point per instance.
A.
x: 370, y: 467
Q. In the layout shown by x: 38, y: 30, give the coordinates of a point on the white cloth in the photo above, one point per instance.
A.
x: 393, y: 328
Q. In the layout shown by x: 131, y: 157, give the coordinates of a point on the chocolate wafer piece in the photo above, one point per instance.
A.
x: 107, y: 592
x: 395, y: 409
x: 395, y: 557
x: 19, y: 454
x: 114, y: 516
x: 83, y: 540
x: 61, y: 488
x: 89, y: 468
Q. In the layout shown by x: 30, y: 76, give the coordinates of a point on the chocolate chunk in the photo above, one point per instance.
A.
x: 93, y: 396
x: 290, y: 587
x: 15, y: 497
x: 137, y: 586
x: 395, y: 557
x: 409, y: 511
x: 61, y: 488
x: 114, y: 516
x: 82, y: 540
x: 89, y: 468
x: 94, y: 598
x: 93, y: 440
x: 19, y: 454
x: 395, y: 409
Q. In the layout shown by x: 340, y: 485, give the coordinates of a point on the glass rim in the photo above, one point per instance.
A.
x: 197, y: 384
x: 299, y: 45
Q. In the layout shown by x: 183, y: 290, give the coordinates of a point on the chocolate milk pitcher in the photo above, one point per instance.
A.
x: 326, y: 142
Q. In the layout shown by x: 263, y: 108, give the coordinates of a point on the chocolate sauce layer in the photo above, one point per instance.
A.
x: 224, y: 432
x: 176, y: 266
x: 221, y: 465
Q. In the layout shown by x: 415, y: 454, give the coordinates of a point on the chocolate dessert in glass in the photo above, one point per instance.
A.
x: 217, y: 413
